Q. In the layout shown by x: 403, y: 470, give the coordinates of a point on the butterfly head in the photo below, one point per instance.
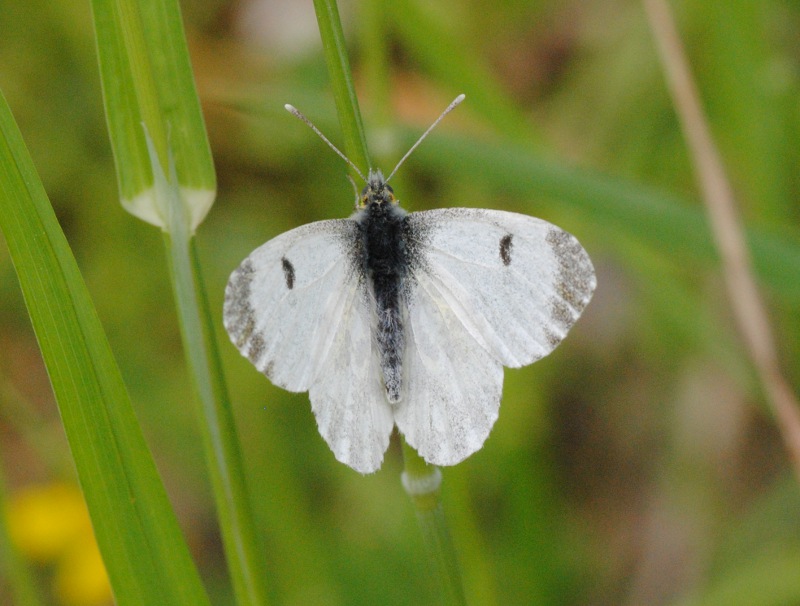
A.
x: 377, y: 191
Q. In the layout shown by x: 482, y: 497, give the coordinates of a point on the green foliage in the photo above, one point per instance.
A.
x: 147, y: 559
x: 149, y: 91
x: 636, y: 464
x: 151, y: 103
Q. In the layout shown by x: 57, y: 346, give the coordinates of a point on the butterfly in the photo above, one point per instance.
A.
x: 394, y: 318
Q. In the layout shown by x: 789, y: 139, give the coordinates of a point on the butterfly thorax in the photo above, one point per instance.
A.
x: 385, y: 258
x: 377, y: 191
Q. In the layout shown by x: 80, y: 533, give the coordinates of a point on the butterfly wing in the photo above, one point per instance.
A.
x: 281, y: 303
x: 489, y: 289
x: 452, y: 385
x: 297, y: 309
x: 517, y: 283
x: 347, y: 396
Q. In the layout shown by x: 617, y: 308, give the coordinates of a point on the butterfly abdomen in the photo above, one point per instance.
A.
x: 385, y: 262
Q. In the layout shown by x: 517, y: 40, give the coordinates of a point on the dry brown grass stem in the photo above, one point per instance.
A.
x: 748, y: 307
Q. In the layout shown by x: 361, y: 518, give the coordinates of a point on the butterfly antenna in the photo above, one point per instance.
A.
x: 355, y: 189
x: 296, y: 113
x: 450, y: 108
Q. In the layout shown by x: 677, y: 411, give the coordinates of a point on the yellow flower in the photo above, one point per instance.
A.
x: 50, y: 524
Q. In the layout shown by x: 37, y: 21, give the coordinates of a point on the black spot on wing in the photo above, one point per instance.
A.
x: 505, y: 248
x: 288, y: 272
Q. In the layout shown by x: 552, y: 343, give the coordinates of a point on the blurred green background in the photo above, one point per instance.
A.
x: 638, y: 464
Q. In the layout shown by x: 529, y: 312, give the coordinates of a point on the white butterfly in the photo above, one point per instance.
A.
x: 393, y: 318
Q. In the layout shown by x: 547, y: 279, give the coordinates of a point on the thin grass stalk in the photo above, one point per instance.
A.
x: 344, y: 92
x: 422, y: 483
x: 749, y: 311
x: 418, y: 477
x: 248, y: 572
x: 217, y: 426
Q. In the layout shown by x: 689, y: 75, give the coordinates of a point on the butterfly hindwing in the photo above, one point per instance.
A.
x: 452, y: 385
x: 347, y: 396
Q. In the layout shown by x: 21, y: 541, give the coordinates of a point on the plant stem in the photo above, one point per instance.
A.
x: 420, y: 480
x: 344, y: 93
x: 422, y: 483
x: 749, y: 310
x: 217, y: 426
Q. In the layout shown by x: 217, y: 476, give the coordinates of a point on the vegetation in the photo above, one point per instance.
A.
x: 641, y: 463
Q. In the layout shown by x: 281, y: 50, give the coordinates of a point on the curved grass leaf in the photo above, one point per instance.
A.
x: 658, y: 219
x: 146, y: 556
x: 167, y: 178
x: 148, y: 86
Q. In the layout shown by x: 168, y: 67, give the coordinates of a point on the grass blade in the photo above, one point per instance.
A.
x: 344, y: 92
x: 418, y: 476
x: 147, y: 559
x: 153, y: 109
x: 148, y: 87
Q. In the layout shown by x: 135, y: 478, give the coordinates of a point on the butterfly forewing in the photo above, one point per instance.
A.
x: 299, y: 309
x: 517, y: 283
x: 284, y: 302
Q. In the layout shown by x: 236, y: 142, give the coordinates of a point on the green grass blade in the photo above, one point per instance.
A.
x: 147, y: 77
x: 148, y: 87
x: 147, y: 559
x: 344, y: 92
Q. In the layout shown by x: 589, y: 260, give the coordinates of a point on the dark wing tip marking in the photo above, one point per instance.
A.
x: 255, y: 349
x: 505, y: 248
x: 576, y: 274
x: 238, y: 315
x: 288, y: 272
x: 553, y: 338
x: 576, y: 279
